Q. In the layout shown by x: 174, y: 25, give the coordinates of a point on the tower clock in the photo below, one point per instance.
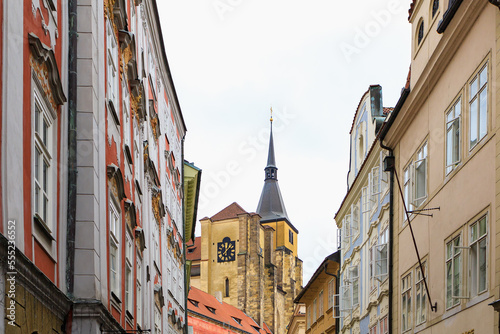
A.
x: 226, y: 250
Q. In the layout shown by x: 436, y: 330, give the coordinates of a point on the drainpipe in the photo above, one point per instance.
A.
x: 384, y: 130
x: 72, y: 169
x: 337, y: 286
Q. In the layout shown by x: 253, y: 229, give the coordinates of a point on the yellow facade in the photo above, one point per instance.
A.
x: 285, y: 235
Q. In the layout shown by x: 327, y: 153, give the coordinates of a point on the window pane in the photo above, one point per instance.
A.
x: 37, y: 199
x: 473, y: 269
x: 473, y: 88
x: 482, y: 226
x: 420, y: 182
x: 37, y: 165
x: 473, y: 123
x: 45, y: 131
x: 458, y: 108
x: 449, y: 282
x: 45, y: 172
x: 456, y: 275
x: 483, y: 77
x: 482, y: 265
x: 483, y: 113
x: 37, y: 118
x: 45, y: 205
x: 473, y: 234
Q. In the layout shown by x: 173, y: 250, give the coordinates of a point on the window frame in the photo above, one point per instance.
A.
x: 452, y: 165
x: 43, y: 147
x: 114, y: 243
x: 112, y: 68
x: 473, y: 242
x: 471, y: 98
x: 406, y: 291
x: 455, y: 242
x: 139, y: 286
x: 129, y: 270
x: 420, y: 304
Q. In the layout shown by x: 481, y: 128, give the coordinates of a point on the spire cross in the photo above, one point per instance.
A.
x: 271, y: 114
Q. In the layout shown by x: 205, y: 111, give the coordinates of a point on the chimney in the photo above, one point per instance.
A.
x: 218, y: 296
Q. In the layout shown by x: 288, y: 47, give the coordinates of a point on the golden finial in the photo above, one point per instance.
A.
x: 271, y: 114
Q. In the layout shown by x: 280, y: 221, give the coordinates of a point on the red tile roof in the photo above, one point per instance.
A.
x: 232, y: 211
x: 194, y: 250
x: 387, y: 111
x: 224, y: 313
x: 412, y: 7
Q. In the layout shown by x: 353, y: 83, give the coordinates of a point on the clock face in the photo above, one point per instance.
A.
x: 226, y: 250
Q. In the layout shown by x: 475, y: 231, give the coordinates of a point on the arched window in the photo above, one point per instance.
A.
x: 435, y: 7
x: 226, y: 287
x: 420, y: 32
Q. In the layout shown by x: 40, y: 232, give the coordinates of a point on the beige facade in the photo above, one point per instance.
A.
x: 443, y: 139
x: 319, y: 298
x: 297, y: 324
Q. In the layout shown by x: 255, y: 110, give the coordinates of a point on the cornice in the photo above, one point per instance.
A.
x: 443, y: 53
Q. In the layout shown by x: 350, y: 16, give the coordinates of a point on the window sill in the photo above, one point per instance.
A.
x: 43, y: 227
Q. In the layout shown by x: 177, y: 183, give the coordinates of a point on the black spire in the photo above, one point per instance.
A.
x: 271, y: 206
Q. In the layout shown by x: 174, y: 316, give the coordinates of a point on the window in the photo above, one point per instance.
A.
x: 43, y: 169
x: 375, y: 185
x: 371, y: 272
x: 355, y: 220
x: 309, y: 312
x: 435, y: 7
x: 314, y: 310
x: 415, y: 180
x: 365, y: 206
x: 331, y: 293
x: 320, y: 304
x: 226, y: 287
x: 384, y: 325
x: 156, y: 242
x: 290, y: 236
x: 139, y: 291
x: 420, y: 295
x: 453, y: 129
x: 453, y: 271
x: 114, y: 249
x: 373, y: 329
x: 354, y: 280
x: 381, y: 256
x: 346, y: 234
x: 157, y: 320
x: 420, y: 32
x: 406, y: 321
x: 420, y: 176
x: 478, y: 256
x: 112, y: 68
x: 478, y: 104
x: 129, y: 276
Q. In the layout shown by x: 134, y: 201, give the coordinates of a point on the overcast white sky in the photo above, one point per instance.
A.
x: 231, y: 60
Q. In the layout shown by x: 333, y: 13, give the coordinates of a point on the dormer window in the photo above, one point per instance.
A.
x: 435, y: 7
x: 420, y: 32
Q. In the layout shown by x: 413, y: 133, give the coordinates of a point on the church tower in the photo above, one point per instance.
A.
x: 249, y: 260
x: 282, y: 265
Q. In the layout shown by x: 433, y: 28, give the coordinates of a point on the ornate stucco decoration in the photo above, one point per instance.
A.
x: 140, y: 239
x: 130, y: 215
x: 47, y: 69
x: 49, y: 24
x: 157, y: 203
x: 115, y: 181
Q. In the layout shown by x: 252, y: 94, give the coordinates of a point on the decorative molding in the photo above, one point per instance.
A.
x: 116, y: 181
x: 45, y: 55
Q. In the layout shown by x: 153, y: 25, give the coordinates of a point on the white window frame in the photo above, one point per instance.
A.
x: 406, y: 303
x: 384, y: 325
x: 420, y: 162
x: 114, y: 248
x: 353, y: 272
x: 321, y: 308
x: 453, y: 135
x: 478, y: 129
x: 157, y: 317
x: 454, y: 260
x: 129, y: 273
x: 477, y: 240
x: 375, y: 186
x: 331, y: 293
x: 420, y: 295
x: 354, y: 221
x: 139, y: 299
x: 113, y: 75
x: 44, y: 134
x: 382, y: 256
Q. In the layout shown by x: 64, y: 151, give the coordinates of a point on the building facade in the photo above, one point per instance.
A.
x: 319, y: 299
x: 443, y: 137
x: 250, y: 259
x: 363, y: 220
x: 92, y: 173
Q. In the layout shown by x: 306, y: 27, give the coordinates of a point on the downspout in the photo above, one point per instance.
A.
x: 337, y: 286
x: 72, y: 169
x: 383, y: 133
x: 186, y: 292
